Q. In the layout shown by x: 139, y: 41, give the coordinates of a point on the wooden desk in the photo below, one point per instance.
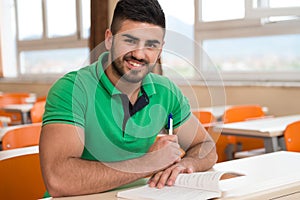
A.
x: 270, y: 129
x: 24, y: 109
x: 259, y: 183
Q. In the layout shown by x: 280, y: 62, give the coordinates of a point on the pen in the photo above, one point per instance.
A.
x: 170, y: 124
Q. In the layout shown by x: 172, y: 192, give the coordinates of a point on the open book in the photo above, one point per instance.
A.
x: 200, y: 185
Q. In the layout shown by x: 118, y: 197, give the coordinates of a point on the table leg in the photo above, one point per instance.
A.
x: 271, y: 144
x: 24, y: 117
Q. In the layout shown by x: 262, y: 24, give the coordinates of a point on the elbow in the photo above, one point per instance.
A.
x: 213, y: 158
x: 55, y: 187
x: 58, y: 185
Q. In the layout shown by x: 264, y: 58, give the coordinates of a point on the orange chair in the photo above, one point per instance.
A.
x: 205, y: 117
x: 37, y: 111
x: 15, y: 117
x: 21, y: 136
x: 16, y: 94
x: 41, y: 98
x: 21, y: 177
x: 292, y: 137
x: 13, y: 98
x: 242, y: 113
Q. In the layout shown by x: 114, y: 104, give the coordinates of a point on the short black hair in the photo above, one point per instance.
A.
x: 148, y: 11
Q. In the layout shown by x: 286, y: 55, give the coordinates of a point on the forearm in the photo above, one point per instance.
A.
x: 201, y: 157
x: 75, y: 176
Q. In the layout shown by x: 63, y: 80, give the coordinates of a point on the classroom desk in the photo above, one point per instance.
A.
x: 18, y: 151
x: 259, y: 181
x: 24, y: 109
x: 270, y: 129
x: 5, y: 120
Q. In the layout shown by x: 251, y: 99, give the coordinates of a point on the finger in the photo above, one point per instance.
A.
x: 172, y: 138
x: 189, y: 170
x: 163, y: 178
x: 154, y: 179
x: 172, y: 178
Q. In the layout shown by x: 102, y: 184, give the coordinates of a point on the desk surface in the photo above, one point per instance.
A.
x: 18, y: 107
x: 265, y: 127
x: 259, y: 183
x: 4, y: 119
x: 18, y: 151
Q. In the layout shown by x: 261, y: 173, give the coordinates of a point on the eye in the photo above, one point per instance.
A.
x: 152, y: 45
x: 130, y: 41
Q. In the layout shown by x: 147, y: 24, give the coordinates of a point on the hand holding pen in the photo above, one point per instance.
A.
x: 170, y: 126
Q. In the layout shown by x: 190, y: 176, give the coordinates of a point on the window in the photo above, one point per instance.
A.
x: 180, y: 28
x: 251, y: 39
x: 52, y: 35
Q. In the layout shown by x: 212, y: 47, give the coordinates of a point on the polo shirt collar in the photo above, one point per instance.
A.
x: 147, y: 83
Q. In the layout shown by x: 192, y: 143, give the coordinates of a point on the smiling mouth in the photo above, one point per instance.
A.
x: 134, y: 65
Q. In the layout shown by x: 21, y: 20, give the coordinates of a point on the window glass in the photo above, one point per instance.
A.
x: 180, y: 27
x: 218, y: 10
x: 268, y: 53
x: 284, y: 3
x: 53, y: 61
x: 30, y: 25
x: 86, y: 18
x: 61, y: 17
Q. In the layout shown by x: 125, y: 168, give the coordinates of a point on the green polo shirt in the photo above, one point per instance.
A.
x: 114, y: 129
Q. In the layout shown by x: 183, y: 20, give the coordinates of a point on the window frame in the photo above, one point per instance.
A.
x: 250, y: 26
x: 46, y: 43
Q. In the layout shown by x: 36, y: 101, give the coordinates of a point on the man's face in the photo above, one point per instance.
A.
x: 135, y: 50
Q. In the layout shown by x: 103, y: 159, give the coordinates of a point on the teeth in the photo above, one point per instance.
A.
x: 135, y: 64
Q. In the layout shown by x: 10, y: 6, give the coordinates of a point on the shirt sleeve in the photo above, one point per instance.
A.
x: 180, y: 106
x: 65, y: 103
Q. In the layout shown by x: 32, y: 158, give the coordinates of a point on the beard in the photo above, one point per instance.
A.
x: 133, y: 75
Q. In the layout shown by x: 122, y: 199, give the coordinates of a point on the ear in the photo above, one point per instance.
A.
x: 160, y: 51
x: 108, y: 39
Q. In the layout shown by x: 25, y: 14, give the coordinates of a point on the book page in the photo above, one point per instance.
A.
x: 200, y: 185
x: 167, y: 193
x: 200, y: 180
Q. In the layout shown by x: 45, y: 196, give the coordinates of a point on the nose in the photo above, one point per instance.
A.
x: 139, y: 53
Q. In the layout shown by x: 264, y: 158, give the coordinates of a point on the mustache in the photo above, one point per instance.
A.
x: 130, y: 57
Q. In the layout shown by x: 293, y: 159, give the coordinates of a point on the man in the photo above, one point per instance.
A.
x: 101, y: 122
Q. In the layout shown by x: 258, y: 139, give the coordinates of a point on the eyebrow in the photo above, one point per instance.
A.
x: 137, y: 39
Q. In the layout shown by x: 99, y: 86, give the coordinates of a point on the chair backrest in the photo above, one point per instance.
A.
x: 205, y: 117
x: 15, y: 117
x: 13, y: 98
x: 21, y: 178
x: 292, y: 137
x: 37, y: 111
x: 41, y: 98
x: 22, y: 136
x: 242, y: 113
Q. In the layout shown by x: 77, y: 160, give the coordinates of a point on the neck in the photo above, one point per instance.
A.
x: 128, y: 88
